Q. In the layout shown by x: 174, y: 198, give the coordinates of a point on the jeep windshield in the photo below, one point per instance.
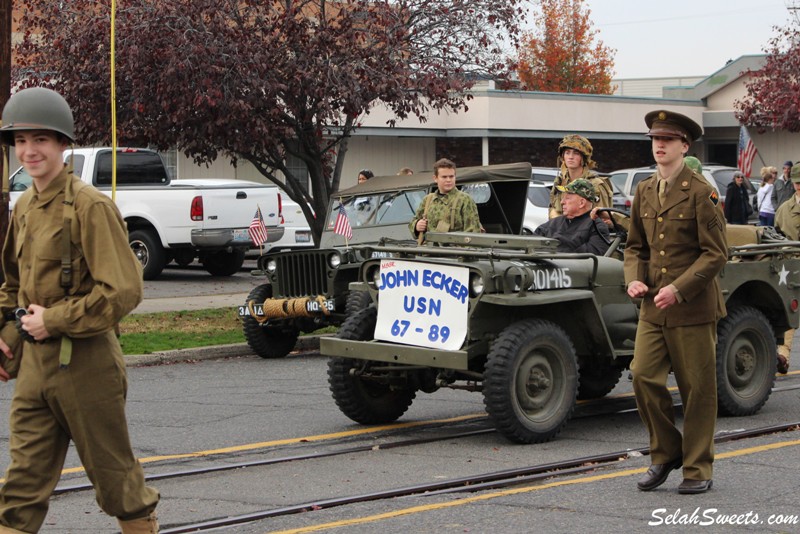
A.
x: 397, y: 207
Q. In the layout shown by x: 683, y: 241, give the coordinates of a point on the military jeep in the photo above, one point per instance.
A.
x: 310, y: 289
x: 535, y: 330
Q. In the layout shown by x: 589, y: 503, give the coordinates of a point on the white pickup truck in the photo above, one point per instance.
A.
x: 176, y: 220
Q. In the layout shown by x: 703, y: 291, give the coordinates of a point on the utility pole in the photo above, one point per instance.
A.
x: 5, y: 93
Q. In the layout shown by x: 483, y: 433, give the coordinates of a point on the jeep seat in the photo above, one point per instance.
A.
x: 743, y: 234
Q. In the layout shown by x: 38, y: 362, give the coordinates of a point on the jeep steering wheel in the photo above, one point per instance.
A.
x: 620, y: 233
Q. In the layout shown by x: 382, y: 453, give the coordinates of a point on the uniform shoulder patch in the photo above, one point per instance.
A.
x: 714, y: 198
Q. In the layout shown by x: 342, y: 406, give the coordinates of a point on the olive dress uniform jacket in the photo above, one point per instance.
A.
x: 681, y: 243
x: 787, y: 219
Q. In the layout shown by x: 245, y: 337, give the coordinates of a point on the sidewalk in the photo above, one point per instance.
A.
x: 200, y: 302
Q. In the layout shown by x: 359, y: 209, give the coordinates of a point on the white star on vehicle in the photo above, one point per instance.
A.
x: 783, y: 274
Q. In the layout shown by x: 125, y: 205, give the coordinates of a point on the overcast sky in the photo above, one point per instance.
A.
x: 684, y: 37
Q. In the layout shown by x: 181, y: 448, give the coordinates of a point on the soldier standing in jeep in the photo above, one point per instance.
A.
x: 447, y: 209
x: 675, y: 250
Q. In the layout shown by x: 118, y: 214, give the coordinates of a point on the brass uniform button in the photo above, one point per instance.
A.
x: 661, y: 219
x: 663, y: 269
x: 662, y: 252
x: 661, y: 236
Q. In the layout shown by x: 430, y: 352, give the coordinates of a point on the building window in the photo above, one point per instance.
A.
x: 170, y: 158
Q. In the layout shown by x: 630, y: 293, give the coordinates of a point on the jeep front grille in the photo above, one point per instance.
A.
x: 302, y: 274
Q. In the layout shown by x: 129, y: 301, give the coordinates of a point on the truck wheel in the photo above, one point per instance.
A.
x: 597, y: 380
x: 745, y: 361
x: 224, y: 263
x: 364, y: 401
x: 272, y: 339
x: 148, y: 250
x: 356, y: 301
x: 531, y: 381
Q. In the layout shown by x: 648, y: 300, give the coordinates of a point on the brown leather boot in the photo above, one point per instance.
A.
x: 143, y: 525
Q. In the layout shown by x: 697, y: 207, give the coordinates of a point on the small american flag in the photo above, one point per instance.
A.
x: 257, y: 230
x: 747, y: 151
x: 342, y: 226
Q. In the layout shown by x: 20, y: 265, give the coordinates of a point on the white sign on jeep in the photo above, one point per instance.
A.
x: 423, y: 304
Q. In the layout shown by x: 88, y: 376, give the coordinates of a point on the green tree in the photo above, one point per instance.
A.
x: 562, y: 54
x: 258, y: 80
x: 773, y: 91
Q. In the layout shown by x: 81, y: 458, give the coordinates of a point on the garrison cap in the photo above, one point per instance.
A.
x: 582, y: 188
x: 664, y: 123
x: 795, y: 174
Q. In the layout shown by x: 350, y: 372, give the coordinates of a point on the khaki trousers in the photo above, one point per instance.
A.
x: 690, y: 351
x: 85, y: 403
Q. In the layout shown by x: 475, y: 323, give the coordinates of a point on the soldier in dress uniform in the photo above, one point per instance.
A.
x: 447, y: 209
x: 70, y: 270
x: 676, y: 247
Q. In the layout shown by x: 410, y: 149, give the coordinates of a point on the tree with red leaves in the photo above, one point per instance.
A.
x: 561, y: 54
x: 257, y: 80
x: 773, y: 92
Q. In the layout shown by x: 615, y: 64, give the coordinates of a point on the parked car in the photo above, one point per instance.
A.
x: 296, y: 232
x: 719, y: 176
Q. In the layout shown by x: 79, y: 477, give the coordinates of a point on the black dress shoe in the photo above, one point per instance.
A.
x: 694, y: 486
x: 657, y: 474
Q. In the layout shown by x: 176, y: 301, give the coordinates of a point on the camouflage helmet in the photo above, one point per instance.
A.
x: 579, y: 143
x: 582, y: 188
x: 37, y: 108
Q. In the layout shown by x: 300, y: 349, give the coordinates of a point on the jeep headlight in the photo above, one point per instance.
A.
x: 334, y: 260
x: 475, y: 285
x: 272, y: 266
x: 373, y: 276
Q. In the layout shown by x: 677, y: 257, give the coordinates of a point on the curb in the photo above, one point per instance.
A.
x: 213, y: 352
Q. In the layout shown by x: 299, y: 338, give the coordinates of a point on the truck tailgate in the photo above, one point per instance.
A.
x: 227, y: 205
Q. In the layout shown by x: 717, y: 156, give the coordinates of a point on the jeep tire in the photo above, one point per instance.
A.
x: 746, y: 361
x: 364, y: 401
x: 272, y: 339
x: 531, y: 381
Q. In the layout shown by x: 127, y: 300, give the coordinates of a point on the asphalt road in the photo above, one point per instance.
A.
x: 218, y: 412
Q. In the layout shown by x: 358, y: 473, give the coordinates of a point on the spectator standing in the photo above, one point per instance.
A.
x: 405, y: 171
x: 676, y: 248
x: 364, y: 175
x: 766, y: 211
x: 737, y: 201
x: 782, y: 189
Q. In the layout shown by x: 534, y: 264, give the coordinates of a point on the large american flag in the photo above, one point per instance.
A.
x: 257, y: 229
x: 747, y: 151
x: 342, y: 226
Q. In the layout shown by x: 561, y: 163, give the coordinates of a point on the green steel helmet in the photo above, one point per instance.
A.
x: 37, y: 108
x: 694, y: 164
x: 579, y: 143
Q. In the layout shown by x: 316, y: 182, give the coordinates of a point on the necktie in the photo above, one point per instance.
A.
x: 662, y: 191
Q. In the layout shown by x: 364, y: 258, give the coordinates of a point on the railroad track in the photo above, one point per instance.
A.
x: 610, y: 405
x: 480, y: 482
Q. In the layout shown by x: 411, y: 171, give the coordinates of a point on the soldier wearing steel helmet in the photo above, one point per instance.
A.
x: 676, y: 247
x: 68, y: 266
x: 575, y: 161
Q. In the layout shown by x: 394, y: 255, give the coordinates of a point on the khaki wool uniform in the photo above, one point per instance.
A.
x: 454, y: 211
x: 681, y: 242
x: 84, y: 401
